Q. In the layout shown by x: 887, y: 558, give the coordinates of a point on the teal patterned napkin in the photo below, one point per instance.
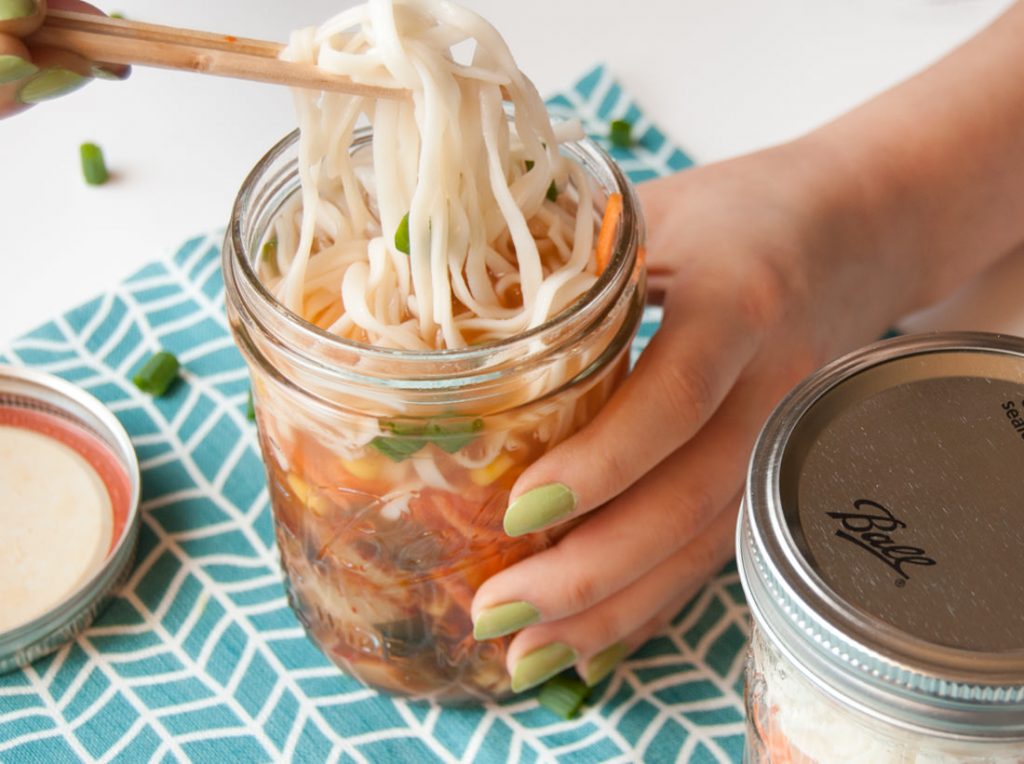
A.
x: 199, y: 657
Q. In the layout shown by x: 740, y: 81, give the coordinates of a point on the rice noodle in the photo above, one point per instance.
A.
x: 490, y: 255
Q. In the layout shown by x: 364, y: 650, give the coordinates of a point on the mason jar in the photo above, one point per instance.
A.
x: 389, y: 471
x: 880, y: 547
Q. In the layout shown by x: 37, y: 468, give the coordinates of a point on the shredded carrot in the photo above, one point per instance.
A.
x: 606, y: 236
x: 775, y: 743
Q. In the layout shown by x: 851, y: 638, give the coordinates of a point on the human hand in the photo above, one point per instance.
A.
x: 29, y: 73
x: 764, y: 280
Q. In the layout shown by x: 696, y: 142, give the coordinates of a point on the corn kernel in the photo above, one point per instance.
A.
x: 486, y: 475
x: 318, y: 505
x: 366, y: 468
x: 314, y: 502
x: 299, y: 487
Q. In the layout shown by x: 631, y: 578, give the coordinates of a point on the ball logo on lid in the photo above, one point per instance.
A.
x: 872, y: 527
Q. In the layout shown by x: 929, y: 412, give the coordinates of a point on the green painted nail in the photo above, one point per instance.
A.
x: 103, y: 74
x: 539, y: 508
x: 116, y: 73
x: 15, y: 68
x: 604, y: 663
x: 543, y: 663
x: 50, y: 83
x: 500, y: 620
x: 16, y: 9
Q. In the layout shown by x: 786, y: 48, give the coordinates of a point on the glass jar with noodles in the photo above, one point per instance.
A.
x: 427, y: 304
x: 389, y: 469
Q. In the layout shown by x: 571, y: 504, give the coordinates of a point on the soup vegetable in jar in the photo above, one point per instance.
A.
x: 431, y: 291
x: 879, y: 547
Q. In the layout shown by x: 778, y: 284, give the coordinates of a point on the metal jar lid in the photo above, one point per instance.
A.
x: 881, y: 544
x: 35, y: 393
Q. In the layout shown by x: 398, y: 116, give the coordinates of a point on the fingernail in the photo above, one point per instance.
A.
x: 604, y: 663
x: 543, y: 663
x: 101, y: 72
x: 16, y: 9
x: 50, y: 83
x: 539, y: 508
x: 15, y: 68
x: 500, y: 620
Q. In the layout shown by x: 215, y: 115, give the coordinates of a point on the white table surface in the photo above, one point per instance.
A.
x: 722, y: 77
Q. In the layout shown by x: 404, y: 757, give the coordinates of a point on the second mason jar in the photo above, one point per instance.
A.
x: 389, y: 471
x: 879, y: 547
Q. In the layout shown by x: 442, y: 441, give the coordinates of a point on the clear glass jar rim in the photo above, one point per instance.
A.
x: 625, y: 249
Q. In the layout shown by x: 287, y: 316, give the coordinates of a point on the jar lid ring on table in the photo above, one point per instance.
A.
x: 61, y: 406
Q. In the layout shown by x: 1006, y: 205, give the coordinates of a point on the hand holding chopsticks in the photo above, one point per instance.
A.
x: 46, y: 53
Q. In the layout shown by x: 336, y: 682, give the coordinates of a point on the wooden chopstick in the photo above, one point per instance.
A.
x: 119, y: 41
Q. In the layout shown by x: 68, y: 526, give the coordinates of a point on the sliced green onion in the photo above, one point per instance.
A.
x: 404, y: 440
x: 250, y: 409
x: 268, y: 257
x: 157, y: 374
x: 117, y: 15
x: 563, y: 695
x: 397, y: 449
x: 404, y: 430
x: 454, y: 437
x: 552, y: 189
x: 621, y: 133
x: 94, y: 168
x: 269, y: 250
x: 402, y: 235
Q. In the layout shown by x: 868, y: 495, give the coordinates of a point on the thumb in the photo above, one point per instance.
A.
x: 16, y: 66
x: 20, y: 18
x: 54, y: 73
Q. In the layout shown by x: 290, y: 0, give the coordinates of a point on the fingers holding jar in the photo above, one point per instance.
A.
x: 31, y: 73
x: 596, y: 640
x: 632, y: 534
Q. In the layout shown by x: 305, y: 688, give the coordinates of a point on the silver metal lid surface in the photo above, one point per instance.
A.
x: 882, y: 540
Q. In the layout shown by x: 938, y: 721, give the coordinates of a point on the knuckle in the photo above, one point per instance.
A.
x: 701, y: 502
x: 580, y: 592
x: 609, y: 629
x: 580, y: 586
x: 689, y: 391
x: 614, y: 469
x: 691, y: 510
x: 771, y: 289
x: 654, y: 625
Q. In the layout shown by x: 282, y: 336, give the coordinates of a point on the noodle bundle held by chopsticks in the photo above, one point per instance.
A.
x: 460, y: 225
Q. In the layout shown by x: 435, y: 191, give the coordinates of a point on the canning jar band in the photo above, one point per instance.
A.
x: 838, y: 670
